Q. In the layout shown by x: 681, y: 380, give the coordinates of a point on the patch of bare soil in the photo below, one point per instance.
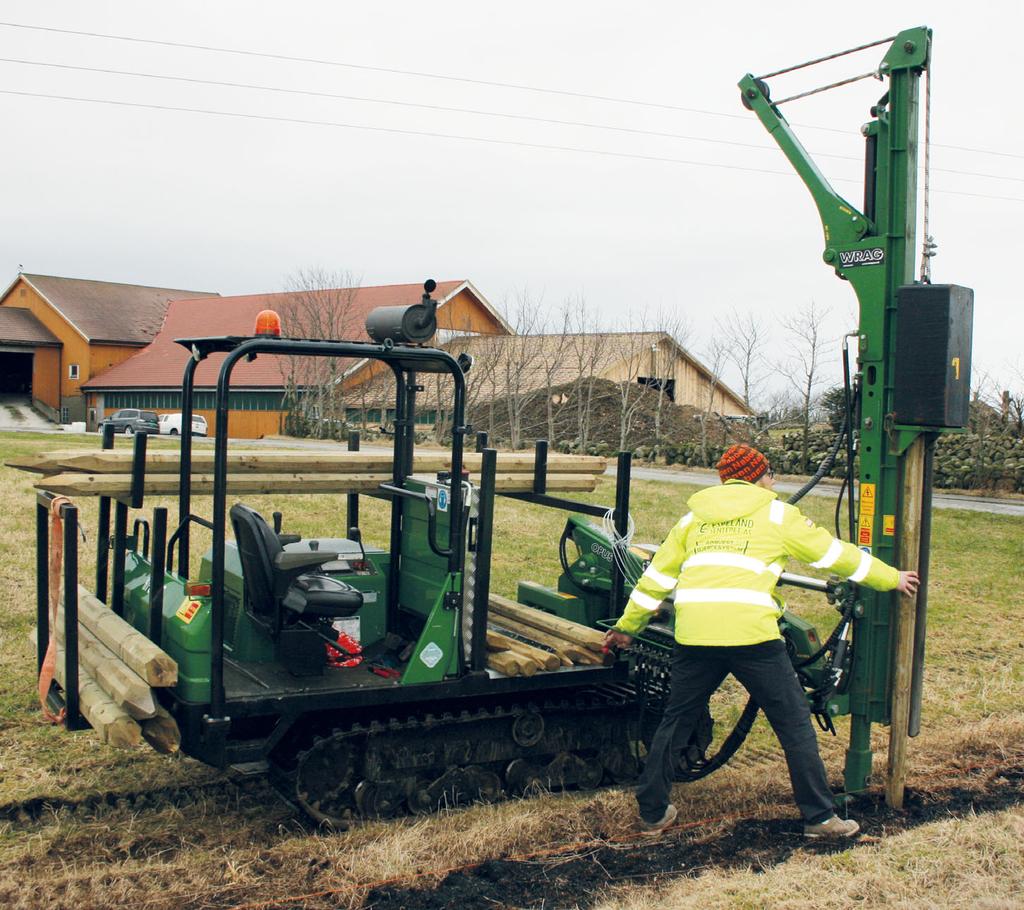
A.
x: 577, y: 881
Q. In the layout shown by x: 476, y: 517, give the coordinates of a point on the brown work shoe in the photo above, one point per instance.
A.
x: 834, y: 828
x: 653, y: 829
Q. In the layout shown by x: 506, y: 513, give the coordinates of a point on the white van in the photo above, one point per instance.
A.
x: 170, y: 424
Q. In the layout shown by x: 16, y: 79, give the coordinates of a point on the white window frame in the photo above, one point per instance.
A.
x: 72, y: 371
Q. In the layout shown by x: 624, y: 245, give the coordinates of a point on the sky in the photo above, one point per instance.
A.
x: 697, y: 223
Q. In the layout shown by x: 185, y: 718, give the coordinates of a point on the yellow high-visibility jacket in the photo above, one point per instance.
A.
x: 723, y: 560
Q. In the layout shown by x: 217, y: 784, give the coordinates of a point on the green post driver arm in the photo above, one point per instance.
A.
x: 841, y: 221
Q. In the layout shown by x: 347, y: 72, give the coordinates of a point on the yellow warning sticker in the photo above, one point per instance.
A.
x: 566, y: 596
x: 889, y: 525
x: 867, y: 499
x: 188, y: 609
x: 864, y: 530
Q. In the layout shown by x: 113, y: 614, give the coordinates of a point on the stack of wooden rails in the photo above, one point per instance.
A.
x: 522, y: 640
x: 108, y: 473
x: 118, y: 668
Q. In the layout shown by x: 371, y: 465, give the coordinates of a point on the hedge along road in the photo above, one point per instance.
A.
x: 831, y: 490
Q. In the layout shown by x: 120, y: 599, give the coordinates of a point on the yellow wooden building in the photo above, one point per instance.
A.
x: 57, y: 333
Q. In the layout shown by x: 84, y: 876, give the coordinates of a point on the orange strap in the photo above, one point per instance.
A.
x: 56, y: 563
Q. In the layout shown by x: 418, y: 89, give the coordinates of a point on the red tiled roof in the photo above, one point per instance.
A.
x: 161, y: 364
x: 20, y: 326
x: 108, y: 311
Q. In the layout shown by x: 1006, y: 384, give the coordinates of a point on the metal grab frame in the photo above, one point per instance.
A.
x: 181, y: 533
x: 103, y: 527
x: 620, y: 511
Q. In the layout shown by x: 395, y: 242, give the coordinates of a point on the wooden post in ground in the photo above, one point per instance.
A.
x: 908, y: 555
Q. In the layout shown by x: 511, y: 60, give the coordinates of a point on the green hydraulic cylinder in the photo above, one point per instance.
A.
x: 873, y: 249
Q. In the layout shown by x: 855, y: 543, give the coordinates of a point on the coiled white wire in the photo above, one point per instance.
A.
x: 620, y: 544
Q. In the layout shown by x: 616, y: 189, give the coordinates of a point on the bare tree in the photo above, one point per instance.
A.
x: 320, y: 304
x: 552, y: 368
x: 587, y: 352
x: 634, y: 353
x: 460, y: 339
x: 483, y: 378
x: 374, y: 392
x: 1014, y: 398
x: 516, y: 371
x: 984, y: 407
x: 715, y: 358
x: 674, y: 328
x: 808, y: 345
x: 747, y: 336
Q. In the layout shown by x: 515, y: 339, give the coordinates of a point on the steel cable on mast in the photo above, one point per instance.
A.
x: 928, y: 244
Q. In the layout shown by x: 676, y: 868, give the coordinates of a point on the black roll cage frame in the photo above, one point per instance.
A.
x: 403, y: 361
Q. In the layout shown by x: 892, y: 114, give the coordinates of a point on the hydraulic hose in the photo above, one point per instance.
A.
x: 564, y: 559
x: 826, y: 465
x: 839, y: 505
x: 830, y: 642
x: 848, y: 401
x: 728, y: 748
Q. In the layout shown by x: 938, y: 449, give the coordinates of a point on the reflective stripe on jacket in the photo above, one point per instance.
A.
x: 723, y: 559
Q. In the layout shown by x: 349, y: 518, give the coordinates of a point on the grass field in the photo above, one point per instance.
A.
x: 960, y: 844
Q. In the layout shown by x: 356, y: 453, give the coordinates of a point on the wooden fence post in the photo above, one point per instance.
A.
x: 908, y: 555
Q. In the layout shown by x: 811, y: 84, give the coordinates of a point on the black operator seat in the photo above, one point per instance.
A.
x: 276, y: 580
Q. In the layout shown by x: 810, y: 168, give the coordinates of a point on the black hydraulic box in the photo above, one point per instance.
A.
x: 932, y: 385
x: 301, y: 651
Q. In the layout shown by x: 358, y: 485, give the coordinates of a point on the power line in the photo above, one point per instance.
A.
x: 457, y: 110
x: 438, y: 135
x: 375, y: 69
x: 443, y: 77
x: 394, y: 130
x: 974, y: 151
x: 398, y: 103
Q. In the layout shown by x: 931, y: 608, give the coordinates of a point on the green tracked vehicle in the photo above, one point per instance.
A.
x: 414, y: 718
x: 265, y: 683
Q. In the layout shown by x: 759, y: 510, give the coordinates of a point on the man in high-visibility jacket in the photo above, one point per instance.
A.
x: 723, y: 560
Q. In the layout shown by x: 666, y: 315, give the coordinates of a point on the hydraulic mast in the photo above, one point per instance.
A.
x: 873, y: 248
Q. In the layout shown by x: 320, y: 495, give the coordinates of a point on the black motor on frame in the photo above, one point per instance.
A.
x: 412, y: 324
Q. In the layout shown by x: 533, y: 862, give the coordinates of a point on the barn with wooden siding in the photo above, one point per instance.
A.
x: 521, y: 364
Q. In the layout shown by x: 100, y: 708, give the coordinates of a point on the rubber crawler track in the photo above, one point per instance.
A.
x: 426, y: 761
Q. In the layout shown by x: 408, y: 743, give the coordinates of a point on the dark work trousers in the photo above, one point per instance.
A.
x: 766, y: 672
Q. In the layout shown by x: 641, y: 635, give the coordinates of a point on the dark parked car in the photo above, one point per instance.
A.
x: 131, y: 421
